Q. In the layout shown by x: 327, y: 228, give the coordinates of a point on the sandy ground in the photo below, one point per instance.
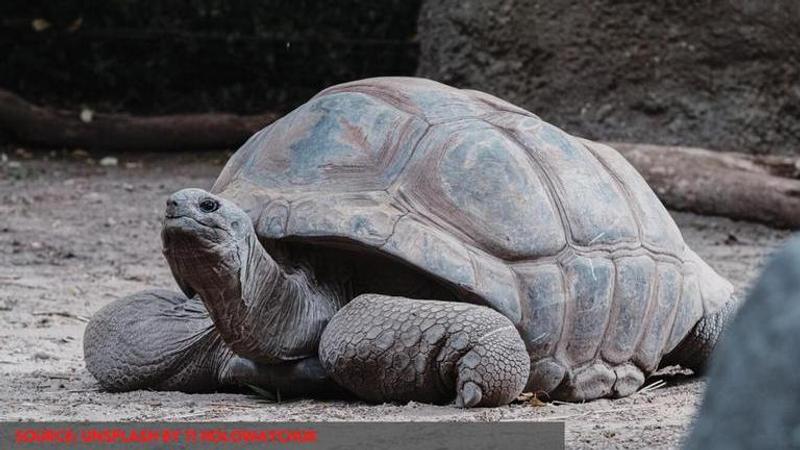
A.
x: 75, y: 235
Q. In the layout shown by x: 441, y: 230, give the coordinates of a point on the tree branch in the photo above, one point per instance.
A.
x: 39, y: 126
x: 759, y: 188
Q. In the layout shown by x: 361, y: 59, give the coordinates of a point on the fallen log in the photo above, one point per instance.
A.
x: 758, y: 188
x: 38, y: 126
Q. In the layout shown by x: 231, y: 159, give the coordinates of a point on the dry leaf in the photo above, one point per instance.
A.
x: 530, y: 398
x: 75, y: 25
x: 534, y: 401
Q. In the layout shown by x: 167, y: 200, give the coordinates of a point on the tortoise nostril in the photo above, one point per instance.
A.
x: 172, y: 207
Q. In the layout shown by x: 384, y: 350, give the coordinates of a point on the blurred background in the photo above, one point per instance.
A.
x: 721, y: 74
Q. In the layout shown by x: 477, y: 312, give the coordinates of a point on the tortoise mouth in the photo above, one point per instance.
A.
x: 176, y: 218
x: 185, y: 222
x: 186, y: 226
x: 183, y: 233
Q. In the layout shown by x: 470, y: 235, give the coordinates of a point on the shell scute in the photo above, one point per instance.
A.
x: 632, y: 295
x: 669, y: 284
x: 479, y: 183
x: 343, y: 142
x: 590, y: 284
x: 437, y: 253
x: 688, y: 311
x: 595, y: 207
x: 657, y: 227
x: 543, y: 303
x: 363, y: 216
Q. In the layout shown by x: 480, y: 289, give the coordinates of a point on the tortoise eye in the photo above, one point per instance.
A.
x: 208, y: 205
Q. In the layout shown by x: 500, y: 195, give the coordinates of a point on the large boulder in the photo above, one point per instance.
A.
x: 721, y: 74
x: 753, y: 394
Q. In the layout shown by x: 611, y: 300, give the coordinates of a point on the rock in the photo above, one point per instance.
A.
x: 43, y: 356
x: 95, y: 197
x: 752, y: 396
x: 665, y: 68
x: 109, y: 161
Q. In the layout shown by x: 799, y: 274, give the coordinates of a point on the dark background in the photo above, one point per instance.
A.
x: 722, y: 74
x: 200, y: 55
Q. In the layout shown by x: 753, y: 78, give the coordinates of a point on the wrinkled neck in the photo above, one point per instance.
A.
x: 264, y: 312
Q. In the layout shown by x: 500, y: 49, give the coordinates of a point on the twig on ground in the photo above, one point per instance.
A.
x: 58, y: 377
x: 652, y: 387
x: 62, y: 314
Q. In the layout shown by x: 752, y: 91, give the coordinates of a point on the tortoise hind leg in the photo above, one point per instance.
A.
x: 155, y: 339
x: 696, y: 348
x: 162, y: 340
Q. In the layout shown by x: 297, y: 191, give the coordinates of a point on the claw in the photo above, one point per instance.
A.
x: 239, y: 371
x: 469, y: 396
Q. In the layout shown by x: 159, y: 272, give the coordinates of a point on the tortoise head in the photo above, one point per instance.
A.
x: 205, y: 237
x: 260, y: 311
x: 205, y: 217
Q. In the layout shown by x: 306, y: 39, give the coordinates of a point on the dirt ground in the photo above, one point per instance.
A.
x: 76, y: 234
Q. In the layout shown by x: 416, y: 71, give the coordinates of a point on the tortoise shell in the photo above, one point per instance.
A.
x: 560, y: 234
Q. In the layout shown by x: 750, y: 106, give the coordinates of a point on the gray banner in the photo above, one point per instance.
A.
x: 246, y: 435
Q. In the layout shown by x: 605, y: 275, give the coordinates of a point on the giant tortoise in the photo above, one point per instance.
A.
x: 406, y: 240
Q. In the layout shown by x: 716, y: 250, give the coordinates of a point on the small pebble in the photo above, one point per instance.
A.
x: 94, y: 197
x: 109, y: 161
x: 86, y: 115
x: 43, y: 356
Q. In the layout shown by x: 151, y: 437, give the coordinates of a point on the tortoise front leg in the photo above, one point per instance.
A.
x: 162, y: 340
x: 397, y: 349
